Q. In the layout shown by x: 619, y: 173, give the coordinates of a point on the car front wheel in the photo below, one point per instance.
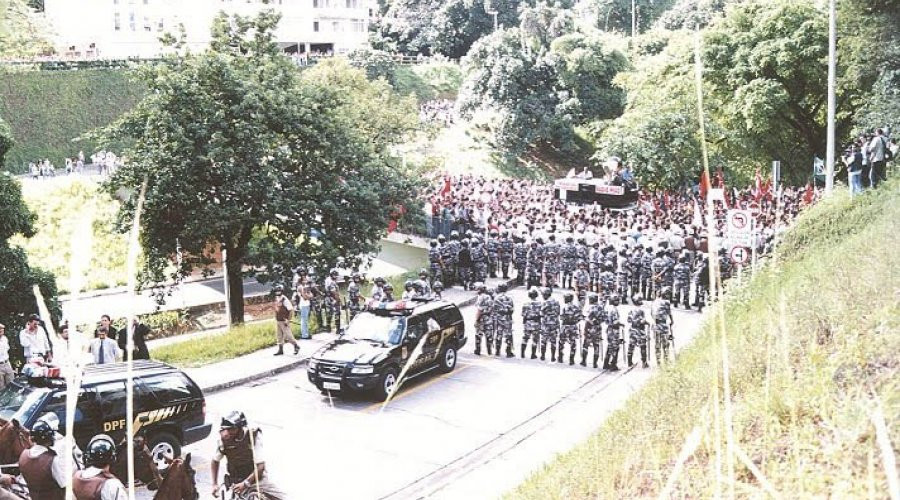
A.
x: 387, y: 383
x: 164, y: 445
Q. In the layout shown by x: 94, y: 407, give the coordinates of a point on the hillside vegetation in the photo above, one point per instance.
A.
x: 815, y: 363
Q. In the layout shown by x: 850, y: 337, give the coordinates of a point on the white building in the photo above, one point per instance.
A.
x: 113, y: 29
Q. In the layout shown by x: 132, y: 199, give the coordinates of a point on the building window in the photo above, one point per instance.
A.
x: 316, y: 26
x: 335, y: 26
x: 161, y: 24
x: 131, y: 22
x: 147, y: 25
x: 117, y: 20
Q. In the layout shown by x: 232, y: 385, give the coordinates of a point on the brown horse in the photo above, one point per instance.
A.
x: 14, y: 439
x: 145, y: 470
x: 180, y: 482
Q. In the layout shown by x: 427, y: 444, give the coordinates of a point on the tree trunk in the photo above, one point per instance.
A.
x: 234, y: 288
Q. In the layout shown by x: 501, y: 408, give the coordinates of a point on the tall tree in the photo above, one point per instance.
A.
x: 241, y: 154
x: 17, y: 279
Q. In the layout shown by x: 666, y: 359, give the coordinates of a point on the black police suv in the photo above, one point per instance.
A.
x: 377, y: 345
x: 169, y: 408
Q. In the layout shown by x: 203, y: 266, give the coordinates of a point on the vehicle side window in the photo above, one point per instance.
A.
x: 415, y: 326
x: 85, y: 409
x: 169, y: 388
x: 448, y: 317
x: 112, y: 399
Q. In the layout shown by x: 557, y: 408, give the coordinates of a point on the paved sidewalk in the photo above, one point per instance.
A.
x: 223, y: 375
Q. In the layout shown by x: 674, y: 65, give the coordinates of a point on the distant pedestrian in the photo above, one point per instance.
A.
x: 140, y: 341
x: 103, y: 349
x: 854, y: 162
x: 878, y: 153
x: 302, y: 297
x: 283, y: 310
x: 6, y: 371
x: 106, y: 322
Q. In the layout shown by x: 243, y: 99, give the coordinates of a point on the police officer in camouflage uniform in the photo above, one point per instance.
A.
x: 531, y: 322
x: 332, y: 302
x: 520, y: 259
x: 435, y: 260
x: 449, y: 251
x: 725, y: 266
x: 505, y: 253
x: 582, y: 282
x: 658, y: 268
x: 607, y: 282
x: 423, y: 283
x: 569, y: 260
x: 570, y: 316
x: 583, y: 252
x: 634, y: 267
x: 701, y: 283
x: 492, y: 249
x: 669, y: 273
x: 464, y: 264
x: 484, y: 318
x: 614, y: 339
x: 551, y: 262
x: 503, y: 320
x: 637, y: 331
x: 622, y: 275
x: 479, y: 260
x: 535, y: 263
x: 661, y: 310
x: 550, y: 310
x: 682, y: 282
x: 646, y: 273
x: 595, y: 258
x: 354, y: 296
x: 593, y: 329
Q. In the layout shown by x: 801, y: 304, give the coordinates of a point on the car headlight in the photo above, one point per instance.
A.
x: 362, y: 369
x: 312, y: 365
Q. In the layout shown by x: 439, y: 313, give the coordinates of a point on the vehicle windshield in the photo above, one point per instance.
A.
x: 384, y: 329
x: 20, y: 402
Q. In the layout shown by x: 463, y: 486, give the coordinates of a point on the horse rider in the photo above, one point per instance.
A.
x: 246, y: 464
x: 96, y: 482
x: 42, y: 469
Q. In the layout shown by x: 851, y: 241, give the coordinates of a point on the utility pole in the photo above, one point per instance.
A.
x: 633, y: 18
x: 493, y: 13
x: 832, y: 69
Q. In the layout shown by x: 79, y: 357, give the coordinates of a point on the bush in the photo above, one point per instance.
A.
x: 46, y: 110
x: 238, y: 341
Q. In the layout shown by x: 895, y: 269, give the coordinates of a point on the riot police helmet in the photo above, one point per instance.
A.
x: 480, y: 287
x: 433, y: 243
x: 423, y: 273
x: 502, y: 288
x: 614, y: 300
x: 546, y: 292
x: 408, y: 285
x: 637, y: 299
x: 388, y: 287
x: 233, y: 420
x: 333, y: 273
x: 593, y: 298
x: 570, y: 239
x: 100, y: 451
x: 356, y: 277
x: 43, y: 433
x: 278, y: 289
x: 379, y: 280
x: 441, y: 238
x: 666, y: 293
x: 419, y: 286
x: 437, y: 286
x: 568, y: 297
x: 533, y: 293
x: 683, y: 259
x: 607, y: 265
x: 454, y: 235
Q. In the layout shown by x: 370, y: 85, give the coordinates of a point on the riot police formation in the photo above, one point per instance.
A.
x: 637, y: 332
x: 614, y: 339
x: 435, y: 259
x: 531, y: 322
x: 503, y: 320
x: 484, y: 318
x: 661, y: 310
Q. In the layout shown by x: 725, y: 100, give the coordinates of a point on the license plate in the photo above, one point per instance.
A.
x: 331, y: 386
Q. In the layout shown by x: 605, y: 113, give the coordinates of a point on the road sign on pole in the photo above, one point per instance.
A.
x: 739, y: 228
x: 739, y: 255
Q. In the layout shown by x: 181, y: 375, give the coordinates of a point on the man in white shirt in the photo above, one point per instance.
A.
x: 104, y: 349
x: 6, y: 371
x: 33, y: 341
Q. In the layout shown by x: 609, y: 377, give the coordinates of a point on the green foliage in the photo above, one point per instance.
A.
x: 443, y: 78
x: 47, y: 110
x: 812, y: 352
x: 693, y: 14
x: 17, y: 280
x: 542, y: 80
x: 233, y: 143
x: 615, y: 15
x: 60, y: 206
x: 376, y: 63
x: 23, y: 33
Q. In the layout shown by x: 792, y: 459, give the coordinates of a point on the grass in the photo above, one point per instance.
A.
x: 813, y: 351
x: 238, y: 341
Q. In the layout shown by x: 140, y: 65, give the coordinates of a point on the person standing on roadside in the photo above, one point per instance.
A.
x: 878, y: 157
x: 34, y: 343
x: 104, y: 350
x: 302, y: 297
x: 283, y: 309
x: 6, y: 371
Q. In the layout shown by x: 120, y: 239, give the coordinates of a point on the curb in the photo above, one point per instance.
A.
x: 222, y: 386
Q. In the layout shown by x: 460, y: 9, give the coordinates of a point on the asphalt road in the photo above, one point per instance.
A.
x: 472, y: 433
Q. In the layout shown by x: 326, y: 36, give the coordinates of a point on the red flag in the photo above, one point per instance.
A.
x: 758, y: 189
x: 704, y: 184
x: 447, y: 185
x: 809, y: 194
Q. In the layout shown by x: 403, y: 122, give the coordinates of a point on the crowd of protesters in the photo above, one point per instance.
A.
x: 104, y: 162
x: 867, y: 159
x: 438, y: 111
